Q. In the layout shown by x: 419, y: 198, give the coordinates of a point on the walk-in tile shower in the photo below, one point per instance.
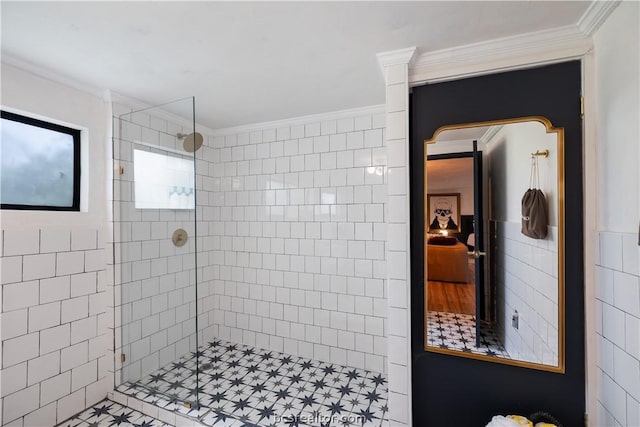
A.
x: 221, y: 313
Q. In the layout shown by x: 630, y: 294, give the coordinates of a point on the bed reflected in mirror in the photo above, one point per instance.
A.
x: 492, y: 292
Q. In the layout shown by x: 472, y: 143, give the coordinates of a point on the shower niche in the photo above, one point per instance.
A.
x: 156, y: 273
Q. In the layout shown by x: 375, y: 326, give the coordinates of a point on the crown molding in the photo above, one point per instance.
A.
x: 394, y: 57
x: 508, y: 53
x: 597, y: 12
x: 51, y: 75
x: 491, y: 133
x: 297, y: 121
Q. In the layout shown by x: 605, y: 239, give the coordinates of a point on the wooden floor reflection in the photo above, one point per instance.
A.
x: 459, y: 298
x: 452, y: 297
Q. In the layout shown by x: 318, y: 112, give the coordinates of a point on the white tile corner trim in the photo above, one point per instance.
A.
x: 54, y: 324
x: 395, y: 67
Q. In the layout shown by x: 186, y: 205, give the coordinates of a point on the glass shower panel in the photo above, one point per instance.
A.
x: 155, y: 251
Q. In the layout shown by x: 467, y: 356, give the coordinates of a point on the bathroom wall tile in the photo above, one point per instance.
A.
x: 611, y: 250
x: 83, y: 284
x: 54, y: 289
x: 345, y: 125
x: 397, y: 378
x: 398, y: 408
x: 363, y: 123
x: 14, y: 379
x: 83, y: 239
x: 630, y: 254
x: 397, y: 265
x: 38, y: 266
x: 396, y: 98
x: 374, y: 362
x: 19, y: 295
x: 283, y: 133
x: 84, y: 375
x: 268, y: 135
x: 626, y: 292
x: 397, y: 322
x: 69, y: 263
x: 10, y: 269
x: 21, y: 403
x: 44, y: 316
x: 355, y: 140
x: 44, y: 416
x: 13, y: 323
x: 19, y: 349
x: 74, y: 309
x: 604, y: 284
x: 74, y: 356
x: 397, y: 293
x: 312, y: 129
x: 626, y: 372
x: 67, y: 406
x: 397, y: 209
x: 633, y: 411
x: 55, y: 338
x: 21, y: 242
x: 617, y: 283
x: 373, y: 138
x: 614, y: 398
x: 43, y: 367
x: 632, y: 334
x: 396, y: 125
x: 328, y: 127
x: 397, y: 181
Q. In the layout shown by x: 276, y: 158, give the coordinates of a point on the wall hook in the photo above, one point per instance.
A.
x: 543, y: 153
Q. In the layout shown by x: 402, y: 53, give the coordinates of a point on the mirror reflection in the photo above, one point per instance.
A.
x: 493, y: 243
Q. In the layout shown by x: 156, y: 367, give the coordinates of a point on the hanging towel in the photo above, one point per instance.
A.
x: 534, y: 206
x: 534, y: 214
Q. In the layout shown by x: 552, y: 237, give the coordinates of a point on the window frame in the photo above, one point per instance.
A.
x: 76, y: 135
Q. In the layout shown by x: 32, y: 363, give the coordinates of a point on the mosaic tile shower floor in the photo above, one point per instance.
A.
x: 458, y: 332
x: 110, y: 414
x: 244, y: 386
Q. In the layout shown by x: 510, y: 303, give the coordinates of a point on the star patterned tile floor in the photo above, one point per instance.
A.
x: 244, y: 386
x: 110, y: 414
x: 458, y: 332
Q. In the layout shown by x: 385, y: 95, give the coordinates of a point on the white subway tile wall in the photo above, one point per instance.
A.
x: 291, y: 247
x: 54, y: 325
x: 296, y: 240
x: 528, y: 283
x: 618, y: 329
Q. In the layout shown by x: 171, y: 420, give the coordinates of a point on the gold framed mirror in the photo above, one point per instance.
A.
x: 493, y: 293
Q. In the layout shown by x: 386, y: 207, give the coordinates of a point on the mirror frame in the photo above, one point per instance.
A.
x: 560, y: 367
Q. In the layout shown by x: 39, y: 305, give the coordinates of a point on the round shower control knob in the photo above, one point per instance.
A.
x: 179, y: 237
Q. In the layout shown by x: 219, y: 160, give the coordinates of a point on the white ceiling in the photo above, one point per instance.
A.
x: 253, y: 62
x: 465, y: 134
x: 450, y: 173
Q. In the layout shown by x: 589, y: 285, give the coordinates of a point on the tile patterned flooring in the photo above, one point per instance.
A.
x: 244, y: 386
x: 110, y: 414
x: 458, y: 332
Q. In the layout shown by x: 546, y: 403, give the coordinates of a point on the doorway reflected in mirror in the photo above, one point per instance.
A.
x: 492, y: 292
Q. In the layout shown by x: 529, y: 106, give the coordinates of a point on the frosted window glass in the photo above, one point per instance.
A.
x: 37, y: 166
x: 162, y: 181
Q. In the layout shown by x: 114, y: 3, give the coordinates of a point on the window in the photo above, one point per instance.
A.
x: 163, y: 181
x: 40, y: 165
